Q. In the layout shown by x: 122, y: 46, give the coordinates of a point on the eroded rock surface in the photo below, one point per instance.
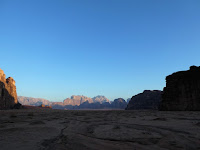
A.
x: 8, y: 94
x: 182, y: 91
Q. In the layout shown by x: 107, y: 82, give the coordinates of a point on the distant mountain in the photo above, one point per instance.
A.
x: 119, y: 103
x: 147, y: 100
x: 128, y: 100
x: 33, y: 101
x: 76, y: 102
x: 100, y: 99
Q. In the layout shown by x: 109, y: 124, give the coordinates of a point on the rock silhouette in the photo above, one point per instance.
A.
x: 149, y: 99
x: 182, y: 91
x: 8, y: 94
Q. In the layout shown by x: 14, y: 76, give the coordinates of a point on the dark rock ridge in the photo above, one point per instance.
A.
x: 8, y: 94
x: 182, y: 91
x: 149, y: 99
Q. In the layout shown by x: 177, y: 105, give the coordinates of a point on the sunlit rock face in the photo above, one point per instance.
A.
x: 76, y: 100
x: 182, y: 91
x: 149, y: 99
x: 8, y: 94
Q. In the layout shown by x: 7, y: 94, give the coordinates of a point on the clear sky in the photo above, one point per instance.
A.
x: 116, y: 48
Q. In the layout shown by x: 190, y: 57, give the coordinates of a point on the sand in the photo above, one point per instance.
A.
x: 48, y: 129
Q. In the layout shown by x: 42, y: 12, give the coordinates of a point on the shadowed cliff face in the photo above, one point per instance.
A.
x: 182, y: 91
x: 146, y: 100
x: 8, y: 94
x: 7, y: 101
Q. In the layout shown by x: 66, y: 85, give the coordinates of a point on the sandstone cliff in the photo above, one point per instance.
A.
x: 182, y: 91
x: 149, y: 99
x: 8, y: 94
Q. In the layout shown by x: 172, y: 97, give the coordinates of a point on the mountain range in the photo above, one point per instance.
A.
x: 76, y: 102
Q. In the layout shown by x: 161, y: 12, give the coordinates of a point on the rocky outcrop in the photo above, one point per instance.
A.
x: 182, y: 91
x: 8, y: 94
x: 149, y: 99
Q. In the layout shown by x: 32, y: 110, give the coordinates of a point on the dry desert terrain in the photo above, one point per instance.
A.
x: 46, y: 129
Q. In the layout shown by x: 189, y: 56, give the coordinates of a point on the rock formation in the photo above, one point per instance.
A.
x: 8, y: 94
x: 119, y: 103
x: 149, y: 99
x: 182, y: 91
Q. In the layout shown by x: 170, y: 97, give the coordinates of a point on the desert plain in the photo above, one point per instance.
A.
x: 47, y: 129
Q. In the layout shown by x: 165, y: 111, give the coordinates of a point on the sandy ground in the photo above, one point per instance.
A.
x: 107, y: 130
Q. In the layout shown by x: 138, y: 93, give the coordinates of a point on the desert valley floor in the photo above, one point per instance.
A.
x: 46, y: 129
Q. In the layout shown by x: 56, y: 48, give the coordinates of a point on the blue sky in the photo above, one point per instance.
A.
x: 117, y: 48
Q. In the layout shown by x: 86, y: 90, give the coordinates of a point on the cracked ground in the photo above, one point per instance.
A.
x: 98, y: 129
